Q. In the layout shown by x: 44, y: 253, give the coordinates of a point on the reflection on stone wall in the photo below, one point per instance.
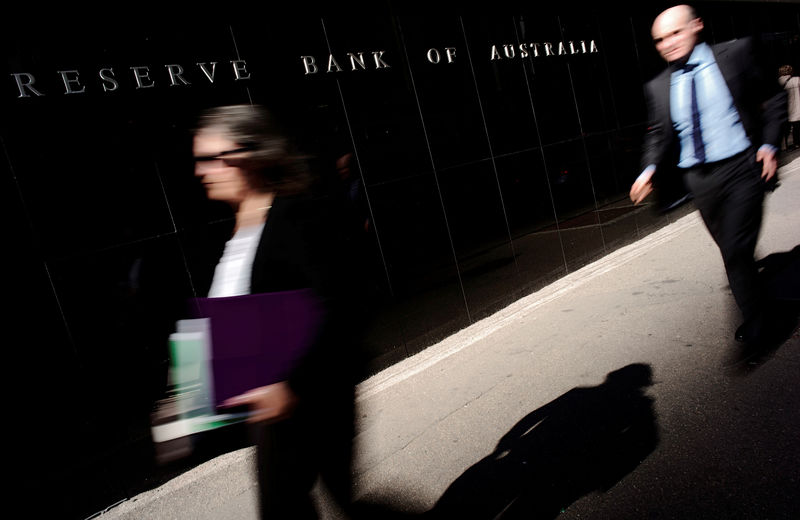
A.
x: 485, y: 156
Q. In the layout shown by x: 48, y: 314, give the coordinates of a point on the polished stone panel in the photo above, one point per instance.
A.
x: 444, y: 81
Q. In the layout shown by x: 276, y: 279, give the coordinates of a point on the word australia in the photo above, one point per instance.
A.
x: 143, y: 77
x: 535, y: 50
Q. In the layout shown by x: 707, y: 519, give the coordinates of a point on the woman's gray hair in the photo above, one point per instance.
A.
x: 267, y: 158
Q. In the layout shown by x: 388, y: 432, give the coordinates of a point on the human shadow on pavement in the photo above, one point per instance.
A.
x: 585, y: 440
x: 779, y: 278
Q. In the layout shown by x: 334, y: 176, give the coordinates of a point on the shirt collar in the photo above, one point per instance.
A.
x: 701, y: 54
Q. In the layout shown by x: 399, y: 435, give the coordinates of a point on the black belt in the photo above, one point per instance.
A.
x: 708, y: 166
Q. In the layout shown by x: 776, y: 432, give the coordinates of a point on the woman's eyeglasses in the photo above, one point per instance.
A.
x: 221, y: 155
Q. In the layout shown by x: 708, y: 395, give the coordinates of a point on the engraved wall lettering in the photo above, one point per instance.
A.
x: 535, y: 49
x: 379, y: 63
x: 434, y: 56
x: 310, y: 64
x: 142, y: 74
x: 25, y: 83
x: 144, y: 77
x: 240, y: 70
x: 209, y: 75
x: 357, y: 60
x: 333, y: 63
x: 72, y: 84
x: 110, y: 84
x: 175, y: 75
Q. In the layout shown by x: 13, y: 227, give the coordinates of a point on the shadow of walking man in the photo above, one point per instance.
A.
x: 585, y: 440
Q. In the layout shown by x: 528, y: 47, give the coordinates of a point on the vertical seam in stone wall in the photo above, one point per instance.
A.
x: 639, y: 69
x: 34, y: 235
x: 541, y: 150
x: 360, y: 168
x: 435, y: 174
x: 636, y: 47
x: 617, y: 173
x: 164, y: 194
x: 608, y: 78
x: 239, y: 57
x: 583, y: 140
x: 489, y: 143
x: 175, y: 231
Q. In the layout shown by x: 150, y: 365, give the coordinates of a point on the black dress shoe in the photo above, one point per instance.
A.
x: 751, y: 330
x: 740, y: 333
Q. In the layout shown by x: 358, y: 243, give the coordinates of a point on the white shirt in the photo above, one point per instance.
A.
x: 234, y: 270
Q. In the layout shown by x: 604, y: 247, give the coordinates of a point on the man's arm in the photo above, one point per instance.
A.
x: 654, y: 143
x: 773, y: 116
x: 658, y: 131
x: 643, y: 185
x: 768, y: 157
x: 772, y: 105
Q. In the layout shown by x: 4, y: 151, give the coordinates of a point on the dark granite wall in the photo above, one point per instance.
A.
x: 478, y: 180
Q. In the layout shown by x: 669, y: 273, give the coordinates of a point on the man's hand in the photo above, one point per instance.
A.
x: 642, y: 187
x: 769, y: 161
x: 270, y: 403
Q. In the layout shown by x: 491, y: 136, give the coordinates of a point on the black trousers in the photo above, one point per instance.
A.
x: 730, y: 196
x: 316, y: 441
x: 794, y: 128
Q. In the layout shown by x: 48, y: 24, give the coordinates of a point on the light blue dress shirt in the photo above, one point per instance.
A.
x: 720, y: 126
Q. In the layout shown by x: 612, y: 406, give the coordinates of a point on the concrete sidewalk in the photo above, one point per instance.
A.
x: 516, y: 416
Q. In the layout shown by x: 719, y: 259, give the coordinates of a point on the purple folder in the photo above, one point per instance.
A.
x: 256, y: 339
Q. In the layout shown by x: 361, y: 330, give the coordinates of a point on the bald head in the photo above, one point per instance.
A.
x: 676, y: 31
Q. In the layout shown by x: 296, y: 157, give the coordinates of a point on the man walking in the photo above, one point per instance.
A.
x: 721, y: 115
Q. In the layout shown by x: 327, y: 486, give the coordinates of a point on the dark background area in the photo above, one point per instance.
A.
x: 478, y: 182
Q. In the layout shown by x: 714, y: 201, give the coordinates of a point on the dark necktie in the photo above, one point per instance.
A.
x: 697, y: 137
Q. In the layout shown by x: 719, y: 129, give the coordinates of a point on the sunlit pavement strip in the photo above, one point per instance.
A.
x: 520, y: 309
x: 793, y: 168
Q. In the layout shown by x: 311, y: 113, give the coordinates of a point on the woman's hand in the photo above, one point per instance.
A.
x: 270, y: 403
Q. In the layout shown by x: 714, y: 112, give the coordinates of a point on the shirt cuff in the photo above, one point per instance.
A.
x: 646, y: 174
x: 769, y: 148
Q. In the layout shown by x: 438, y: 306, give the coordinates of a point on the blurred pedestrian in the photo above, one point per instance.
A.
x: 791, y: 84
x: 285, y: 239
x: 716, y: 110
